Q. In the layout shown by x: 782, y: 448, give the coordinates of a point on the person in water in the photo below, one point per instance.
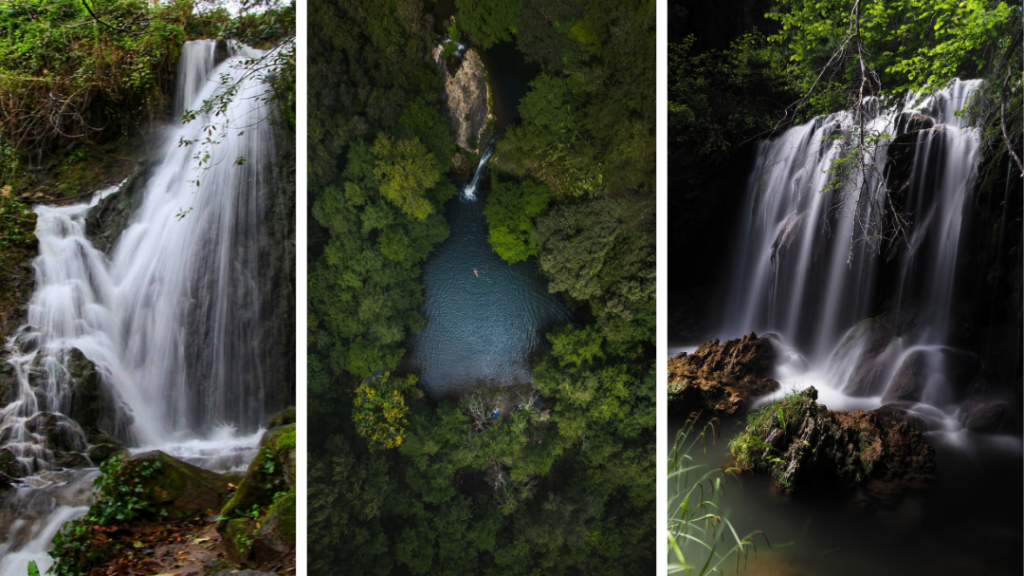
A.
x: 477, y: 273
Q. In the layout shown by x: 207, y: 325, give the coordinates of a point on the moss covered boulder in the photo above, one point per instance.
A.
x: 258, y: 523
x: 172, y: 487
x: 720, y: 378
x: 805, y: 447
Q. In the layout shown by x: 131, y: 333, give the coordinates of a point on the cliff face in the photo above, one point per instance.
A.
x: 466, y: 98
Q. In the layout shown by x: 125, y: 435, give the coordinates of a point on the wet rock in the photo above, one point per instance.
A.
x: 91, y: 403
x: 989, y: 417
x: 282, y: 418
x: 893, y: 413
x: 105, y: 447
x: 952, y: 370
x: 57, y: 432
x: 8, y: 384
x: 169, y: 485
x: 111, y: 216
x: 467, y: 99
x: 805, y: 447
x: 873, y: 346
x: 719, y: 379
x: 911, y: 122
x: 9, y: 465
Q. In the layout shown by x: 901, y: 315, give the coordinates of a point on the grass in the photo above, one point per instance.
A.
x: 701, y: 540
x: 749, y: 444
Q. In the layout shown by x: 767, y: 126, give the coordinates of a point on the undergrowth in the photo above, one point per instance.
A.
x: 81, y: 543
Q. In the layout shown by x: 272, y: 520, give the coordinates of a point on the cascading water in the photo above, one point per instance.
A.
x: 170, y: 322
x: 804, y: 272
x: 469, y: 192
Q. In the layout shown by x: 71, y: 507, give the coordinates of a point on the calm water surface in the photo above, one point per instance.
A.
x: 967, y: 522
x: 488, y: 325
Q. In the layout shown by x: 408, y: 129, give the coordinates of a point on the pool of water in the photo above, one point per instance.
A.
x: 485, y: 320
x: 966, y: 522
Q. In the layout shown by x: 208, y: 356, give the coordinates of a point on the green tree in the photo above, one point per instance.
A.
x: 488, y: 22
x: 511, y: 208
x: 406, y: 171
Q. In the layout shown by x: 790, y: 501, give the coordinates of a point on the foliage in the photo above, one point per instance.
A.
x: 17, y: 225
x: 74, y: 71
x: 695, y: 520
x: 588, y: 122
x: 511, y: 208
x: 66, y: 76
x: 406, y: 171
x: 602, y: 251
x: 379, y: 410
x: 906, y: 45
x: 118, y: 501
x: 487, y: 21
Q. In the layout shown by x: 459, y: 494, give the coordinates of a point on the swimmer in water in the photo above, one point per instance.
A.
x: 477, y: 273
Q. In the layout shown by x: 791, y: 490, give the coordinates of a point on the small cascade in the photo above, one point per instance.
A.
x: 32, y: 514
x: 803, y: 272
x: 469, y: 192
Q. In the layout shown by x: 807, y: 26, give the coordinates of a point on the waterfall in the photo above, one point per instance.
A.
x: 171, y: 322
x: 469, y: 192
x: 803, y: 271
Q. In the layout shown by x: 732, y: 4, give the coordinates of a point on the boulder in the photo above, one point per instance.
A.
x: 282, y: 418
x: 93, y: 404
x: 953, y: 370
x: 105, y: 447
x: 57, y: 432
x: 874, y: 340
x: 805, y: 447
x: 720, y: 378
x: 276, y: 536
x: 989, y: 417
x: 171, y: 486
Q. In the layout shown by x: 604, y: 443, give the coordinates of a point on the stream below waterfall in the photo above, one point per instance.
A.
x: 803, y: 275
x: 167, y: 323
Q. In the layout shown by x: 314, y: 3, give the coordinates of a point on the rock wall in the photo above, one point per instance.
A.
x: 467, y: 98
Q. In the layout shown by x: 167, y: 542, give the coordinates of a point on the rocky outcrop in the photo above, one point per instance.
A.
x: 805, y: 447
x: 467, y: 99
x: 719, y: 379
x: 258, y: 523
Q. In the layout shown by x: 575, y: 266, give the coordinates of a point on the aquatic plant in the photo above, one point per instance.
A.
x: 695, y: 520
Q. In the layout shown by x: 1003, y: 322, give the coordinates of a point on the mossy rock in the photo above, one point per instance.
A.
x: 276, y: 535
x: 282, y: 418
x: 177, y: 488
x: 238, y: 535
x: 100, y: 453
x: 9, y: 464
x: 272, y: 471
